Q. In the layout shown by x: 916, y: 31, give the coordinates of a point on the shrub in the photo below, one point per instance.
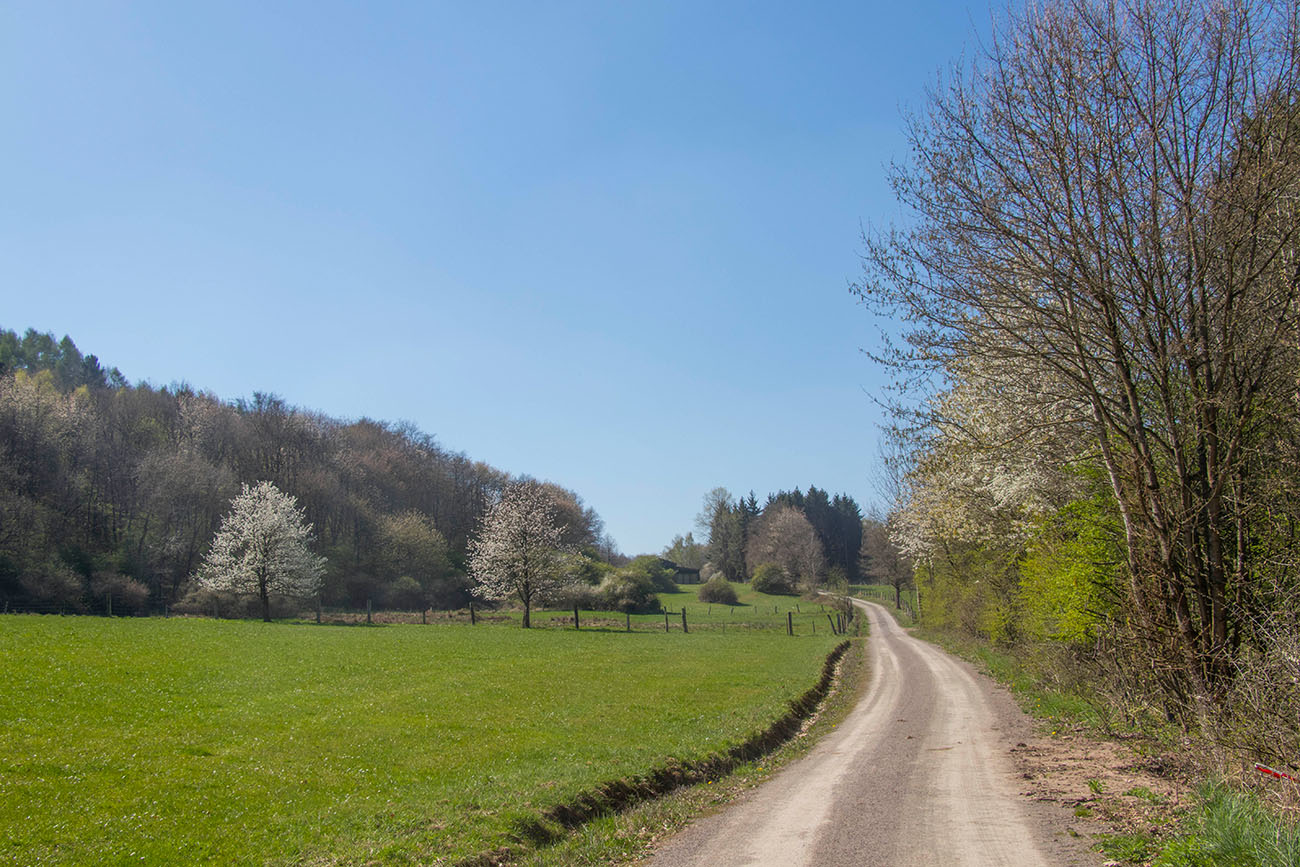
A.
x: 771, y: 578
x: 581, y: 595
x: 719, y: 590
x: 52, y: 586
x: 128, y: 595
x: 449, y: 593
x: 652, y: 567
x: 630, y: 590
x: 589, y: 570
x: 405, y: 594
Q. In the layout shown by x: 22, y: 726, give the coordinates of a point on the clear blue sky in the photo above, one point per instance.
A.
x: 606, y: 244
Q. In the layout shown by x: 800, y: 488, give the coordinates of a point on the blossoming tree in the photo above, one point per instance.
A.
x: 519, y: 550
x: 262, y: 547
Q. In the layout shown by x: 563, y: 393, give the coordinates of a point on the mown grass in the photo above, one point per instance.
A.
x: 184, y: 741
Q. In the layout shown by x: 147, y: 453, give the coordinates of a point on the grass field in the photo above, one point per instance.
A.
x: 185, y: 741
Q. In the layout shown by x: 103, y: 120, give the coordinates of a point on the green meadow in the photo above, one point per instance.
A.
x: 188, y: 740
x: 754, y: 611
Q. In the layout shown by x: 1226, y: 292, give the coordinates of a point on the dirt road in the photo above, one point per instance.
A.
x: 918, y: 774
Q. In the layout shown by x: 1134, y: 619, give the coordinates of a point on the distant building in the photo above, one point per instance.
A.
x: 684, y: 574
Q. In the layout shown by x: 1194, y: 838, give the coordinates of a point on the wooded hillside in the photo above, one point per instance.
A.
x: 115, y: 490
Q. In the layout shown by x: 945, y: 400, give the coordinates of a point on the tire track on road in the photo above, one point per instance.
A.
x: 917, y: 774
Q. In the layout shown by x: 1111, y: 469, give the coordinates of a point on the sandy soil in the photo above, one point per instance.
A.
x: 935, y: 766
x: 1103, y: 787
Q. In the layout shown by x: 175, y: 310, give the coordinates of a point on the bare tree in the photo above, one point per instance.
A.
x: 784, y: 536
x: 883, y: 563
x: 1105, y: 223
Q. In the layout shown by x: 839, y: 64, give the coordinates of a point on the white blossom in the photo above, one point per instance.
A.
x: 519, y: 551
x: 262, y: 548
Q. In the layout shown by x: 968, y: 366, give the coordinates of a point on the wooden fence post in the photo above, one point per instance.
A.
x: 665, y: 620
x: 789, y: 623
x: 576, y: 625
x: 628, y: 615
x: 472, y: 619
x: 424, y: 616
x: 832, y: 620
x: 684, y: 629
x: 368, y: 611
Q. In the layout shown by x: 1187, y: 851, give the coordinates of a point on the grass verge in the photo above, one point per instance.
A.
x: 1053, y: 706
x: 627, y: 837
x: 1222, y: 828
x: 617, y: 796
x: 1225, y: 829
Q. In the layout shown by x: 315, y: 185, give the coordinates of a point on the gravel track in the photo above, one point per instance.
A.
x: 919, y: 773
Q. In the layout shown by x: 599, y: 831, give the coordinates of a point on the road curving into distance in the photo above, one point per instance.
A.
x: 917, y: 774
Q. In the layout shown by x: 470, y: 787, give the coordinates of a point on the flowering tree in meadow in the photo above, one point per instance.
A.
x: 262, y: 547
x: 519, y: 551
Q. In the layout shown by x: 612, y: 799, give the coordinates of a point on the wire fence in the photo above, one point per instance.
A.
x: 795, y: 617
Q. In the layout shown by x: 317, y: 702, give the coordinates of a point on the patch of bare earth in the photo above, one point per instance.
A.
x: 1104, y: 786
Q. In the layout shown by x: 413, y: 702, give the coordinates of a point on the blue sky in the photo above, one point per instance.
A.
x: 605, y: 244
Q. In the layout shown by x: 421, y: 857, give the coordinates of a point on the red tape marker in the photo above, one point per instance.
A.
x: 1265, y: 769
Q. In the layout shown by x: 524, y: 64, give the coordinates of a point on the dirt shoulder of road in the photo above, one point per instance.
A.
x: 1086, y: 787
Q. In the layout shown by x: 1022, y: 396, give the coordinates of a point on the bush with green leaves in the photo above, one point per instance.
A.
x: 718, y: 589
x: 771, y: 578
x: 653, y: 568
x: 590, y: 571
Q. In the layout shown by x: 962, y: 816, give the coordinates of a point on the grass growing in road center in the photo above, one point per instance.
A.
x: 178, y: 741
